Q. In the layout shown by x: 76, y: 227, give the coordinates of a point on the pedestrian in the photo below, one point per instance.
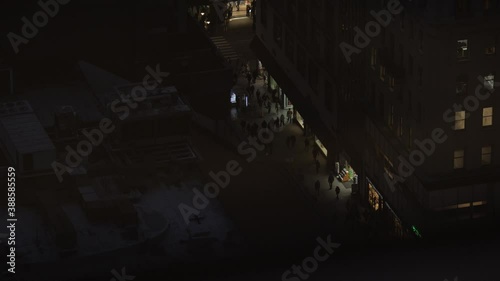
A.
x: 289, y: 114
x: 238, y: 5
x: 315, y: 152
x: 282, y: 119
x: 317, y: 166
x: 317, y: 187
x: 306, y: 144
x: 337, y: 191
x: 277, y: 107
x: 330, y: 180
x: 269, y: 108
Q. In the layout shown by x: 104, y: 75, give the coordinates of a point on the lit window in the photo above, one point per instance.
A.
x: 489, y: 81
x: 487, y: 116
x: 460, y: 120
x: 458, y: 159
x: 486, y: 155
x: 462, y: 49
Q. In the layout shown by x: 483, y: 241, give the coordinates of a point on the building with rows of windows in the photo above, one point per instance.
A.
x: 400, y: 92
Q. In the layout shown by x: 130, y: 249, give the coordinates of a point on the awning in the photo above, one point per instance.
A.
x: 301, y: 103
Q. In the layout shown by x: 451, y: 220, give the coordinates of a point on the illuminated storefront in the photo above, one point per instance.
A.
x: 299, y: 119
x: 321, y: 146
x: 374, y: 197
x: 397, y: 225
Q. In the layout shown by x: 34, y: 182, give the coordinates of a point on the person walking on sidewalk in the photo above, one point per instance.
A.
x: 277, y: 123
x: 317, y: 187
x: 289, y: 114
x: 317, y: 166
x: 315, y: 152
x: 306, y: 144
x: 264, y: 124
x: 282, y: 119
x: 330, y: 180
x: 337, y: 191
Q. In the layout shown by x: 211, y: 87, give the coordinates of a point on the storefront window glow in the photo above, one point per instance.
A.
x: 373, y: 197
x: 300, y: 120
x: 321, y: 146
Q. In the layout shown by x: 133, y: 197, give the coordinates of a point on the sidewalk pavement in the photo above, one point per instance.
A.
x: 300, y: 163
x: 297, y: 160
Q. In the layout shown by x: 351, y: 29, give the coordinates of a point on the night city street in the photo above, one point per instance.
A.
x: 250, y: 140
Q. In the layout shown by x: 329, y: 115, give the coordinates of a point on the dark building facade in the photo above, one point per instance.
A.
x: 369, y: 99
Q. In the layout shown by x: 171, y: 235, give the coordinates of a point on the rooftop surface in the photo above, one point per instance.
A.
x: 23, y: 128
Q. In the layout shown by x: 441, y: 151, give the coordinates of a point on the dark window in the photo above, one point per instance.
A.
x: 301, y: 61
x: 462, y: 8
x: 313, y: 76
x: 410, y: 64
x: 328, y: 96
x: 263, y: 12
x: 290, y: 46
x: 28, y: 162
x: 278, y: 31
x: 420, y: 76
x: 461, y: 87
x: 420, y: 40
